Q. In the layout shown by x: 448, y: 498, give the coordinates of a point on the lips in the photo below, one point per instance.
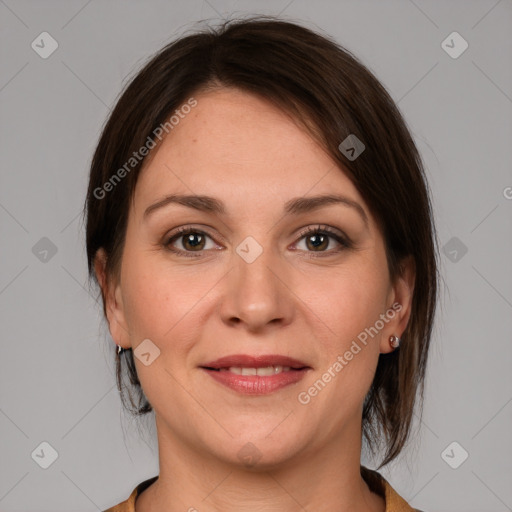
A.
x: 247, y: 361
x: 256, y: 375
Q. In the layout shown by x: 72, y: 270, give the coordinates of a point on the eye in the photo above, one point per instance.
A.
x: 190, y: 240
x: 322, y: 239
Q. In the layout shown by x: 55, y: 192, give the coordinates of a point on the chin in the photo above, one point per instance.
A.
x: 260, y: 452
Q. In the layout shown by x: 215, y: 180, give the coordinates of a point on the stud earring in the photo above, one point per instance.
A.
x: 394, y: 341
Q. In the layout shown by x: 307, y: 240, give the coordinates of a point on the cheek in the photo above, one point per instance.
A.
x: 160, y: 302
x: 166, y: 307
x: 348, y: 301
x: 344, y: 306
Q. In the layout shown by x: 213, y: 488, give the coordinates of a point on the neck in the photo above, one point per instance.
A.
x: 322, y: 478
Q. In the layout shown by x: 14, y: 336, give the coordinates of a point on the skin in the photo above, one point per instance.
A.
x: 295, y: 300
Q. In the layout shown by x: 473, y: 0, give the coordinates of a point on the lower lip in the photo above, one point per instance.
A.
x: 255, y: 384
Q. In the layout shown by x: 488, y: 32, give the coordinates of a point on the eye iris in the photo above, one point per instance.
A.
x: 317, y: 241
x: 193, y: 241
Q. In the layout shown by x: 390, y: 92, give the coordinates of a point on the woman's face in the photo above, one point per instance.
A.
x: 255, y: 274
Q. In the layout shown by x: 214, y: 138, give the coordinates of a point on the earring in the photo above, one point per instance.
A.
x: 119, y: 350
x: 394, y: 341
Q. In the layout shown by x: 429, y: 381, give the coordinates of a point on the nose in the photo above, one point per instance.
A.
x: 257, y: 297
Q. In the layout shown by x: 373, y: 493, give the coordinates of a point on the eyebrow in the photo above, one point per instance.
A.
x: 306, y: 204
x: 294, y: 206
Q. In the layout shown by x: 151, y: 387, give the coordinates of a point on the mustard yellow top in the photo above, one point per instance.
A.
x: 376, y: 482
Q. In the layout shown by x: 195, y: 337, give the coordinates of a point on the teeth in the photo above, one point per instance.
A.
x: 262, y: 372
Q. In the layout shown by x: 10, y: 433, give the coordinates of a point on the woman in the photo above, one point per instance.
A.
x: 260, y: 227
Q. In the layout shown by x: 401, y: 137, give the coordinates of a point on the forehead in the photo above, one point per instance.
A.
x: 234, y: 144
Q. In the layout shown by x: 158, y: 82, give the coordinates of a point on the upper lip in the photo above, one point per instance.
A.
x: 247, y: 361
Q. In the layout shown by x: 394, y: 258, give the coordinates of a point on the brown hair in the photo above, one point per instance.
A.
x: 333, y: 95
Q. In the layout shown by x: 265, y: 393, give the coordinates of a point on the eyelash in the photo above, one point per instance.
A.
x: 344, y: 241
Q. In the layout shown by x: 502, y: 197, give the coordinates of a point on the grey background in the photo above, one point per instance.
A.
x: 56, y: 364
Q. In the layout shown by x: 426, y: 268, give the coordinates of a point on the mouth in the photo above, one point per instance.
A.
x: 262, y: 371
x: 256, y: 375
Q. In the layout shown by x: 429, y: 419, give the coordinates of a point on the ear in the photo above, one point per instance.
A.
x: 400, y: 302
x: 112, y: 301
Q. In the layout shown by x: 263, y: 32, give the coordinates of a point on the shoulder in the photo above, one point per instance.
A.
x: 378, y: 484
x: 129, y: 504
